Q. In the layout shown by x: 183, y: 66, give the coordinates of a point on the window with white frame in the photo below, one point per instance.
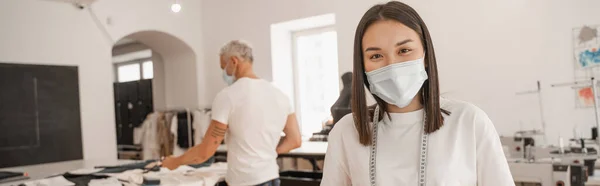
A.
x: 147, y: 70
x: 134, y: 71
x: 316, y: 77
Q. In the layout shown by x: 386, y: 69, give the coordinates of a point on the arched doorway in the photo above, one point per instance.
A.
x: 153, y: 71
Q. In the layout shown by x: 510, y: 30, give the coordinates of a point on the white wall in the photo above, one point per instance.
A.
x: 128, y: 17
x: 158, y: 82
x: 128, y: 48
x: 59, y: 34
x: 251, y: 21
x: 179, y: 60
x: 180, y: 81
x: 487, y: 51
x: 48, y: 32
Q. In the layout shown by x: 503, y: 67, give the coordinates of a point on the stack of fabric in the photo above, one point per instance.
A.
x: 144, y: 173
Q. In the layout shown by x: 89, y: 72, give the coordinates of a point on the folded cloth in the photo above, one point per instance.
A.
x: 207, y: 163
x: 105, y: 182
x: 135, y: 176
x: 187, y: 175
x: 85, y: 171
x: 206, y: 174
x: 6, y: 176
x: 143, y: 164
x: 194, y: 178
x: 52, y: 181
x: 81, y: 179
x: 126, y: 167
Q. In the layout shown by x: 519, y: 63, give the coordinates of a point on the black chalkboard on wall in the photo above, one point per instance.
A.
x: 40, y: 118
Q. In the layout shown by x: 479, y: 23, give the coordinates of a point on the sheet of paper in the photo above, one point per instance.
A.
x: 105, y: 182
x: 54, y: 181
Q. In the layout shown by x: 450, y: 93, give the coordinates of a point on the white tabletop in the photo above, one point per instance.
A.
x: 594, y: 180
x: 50, y: 169
x: 308, y: 148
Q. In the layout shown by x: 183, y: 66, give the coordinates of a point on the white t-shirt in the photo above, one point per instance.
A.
x: 466, y: 151
x: 256, y: 113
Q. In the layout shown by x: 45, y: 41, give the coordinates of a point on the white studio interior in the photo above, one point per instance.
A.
x: 112, y: 92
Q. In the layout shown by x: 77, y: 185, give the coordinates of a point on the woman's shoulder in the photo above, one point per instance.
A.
x: 465, y: 116
x: 344, y: 128
x: 458, y: 108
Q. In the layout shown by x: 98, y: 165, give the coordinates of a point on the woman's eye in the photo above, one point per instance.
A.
x: 404, y: 51
x: 376, y: 56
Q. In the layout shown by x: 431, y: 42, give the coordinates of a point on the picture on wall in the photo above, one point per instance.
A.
x: 586, y: 62
x: 587, y: 46
x: 585, y: 97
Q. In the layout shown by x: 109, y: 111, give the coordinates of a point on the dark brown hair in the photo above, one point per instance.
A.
x: 430, y: 98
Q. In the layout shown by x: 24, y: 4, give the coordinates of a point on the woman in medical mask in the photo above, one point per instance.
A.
x: 411, y: 136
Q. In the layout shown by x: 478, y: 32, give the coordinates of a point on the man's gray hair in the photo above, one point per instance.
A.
x: 237, y: 48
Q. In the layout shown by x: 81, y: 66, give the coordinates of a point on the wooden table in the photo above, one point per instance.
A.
x: 311, y: 151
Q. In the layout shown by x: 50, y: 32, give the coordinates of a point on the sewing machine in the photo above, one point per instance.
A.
x: 524, y: 151
x: 571, y: 156
x: 548, y: 165
x: 547, y: 173
x: 516, y: 146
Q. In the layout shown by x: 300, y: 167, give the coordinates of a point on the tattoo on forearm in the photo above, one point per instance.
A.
x: 218, y: 132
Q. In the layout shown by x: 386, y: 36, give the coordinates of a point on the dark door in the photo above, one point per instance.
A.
x: 133, y: 102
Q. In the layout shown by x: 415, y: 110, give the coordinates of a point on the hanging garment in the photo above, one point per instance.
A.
x: 171, y: 119
x: 200, y: 126
x: 184, y: 125
x: 177, y: 151
x: 146, y: 135
x: 165, y: 138
x: 201, y: 123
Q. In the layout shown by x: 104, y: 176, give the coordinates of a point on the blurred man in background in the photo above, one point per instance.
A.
x: 253, y: 112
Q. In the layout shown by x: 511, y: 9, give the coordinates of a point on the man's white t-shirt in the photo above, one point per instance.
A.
x: 256, y: 113
x: 465, y: 151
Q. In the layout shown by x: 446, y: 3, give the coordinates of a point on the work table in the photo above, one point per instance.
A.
x: 45, y: 170
x: 310, y: 150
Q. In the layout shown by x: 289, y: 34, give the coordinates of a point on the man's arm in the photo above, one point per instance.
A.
x: 292, y: 137
x: 203, y: 151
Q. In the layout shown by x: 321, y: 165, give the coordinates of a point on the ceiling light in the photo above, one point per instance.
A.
x: 176, y: 7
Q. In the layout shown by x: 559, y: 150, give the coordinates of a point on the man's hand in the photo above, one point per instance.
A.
x: 171, y: 162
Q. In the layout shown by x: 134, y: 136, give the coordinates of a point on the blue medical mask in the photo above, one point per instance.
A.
x: 227, y: 78
x: 398, y: 83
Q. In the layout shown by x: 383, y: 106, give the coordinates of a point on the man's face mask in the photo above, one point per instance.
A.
x: 229, y: 79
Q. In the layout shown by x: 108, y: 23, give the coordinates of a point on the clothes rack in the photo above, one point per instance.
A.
x: 189, y: 120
